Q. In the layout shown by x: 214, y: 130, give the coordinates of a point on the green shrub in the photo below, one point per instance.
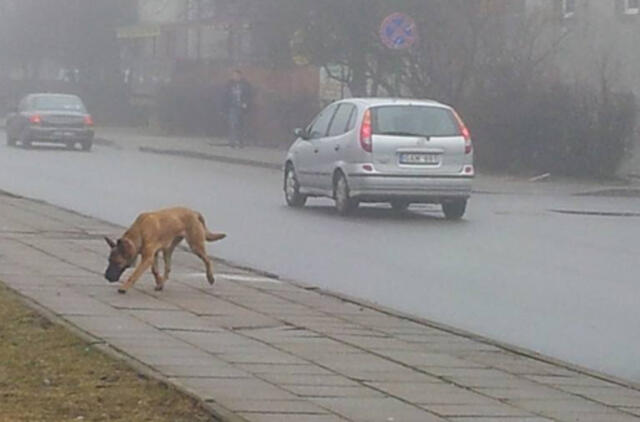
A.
x: 558, y: 128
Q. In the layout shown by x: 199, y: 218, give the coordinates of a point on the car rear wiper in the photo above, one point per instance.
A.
x: 398, y: 133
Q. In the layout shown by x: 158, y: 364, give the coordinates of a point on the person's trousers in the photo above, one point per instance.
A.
x: 236, y: 127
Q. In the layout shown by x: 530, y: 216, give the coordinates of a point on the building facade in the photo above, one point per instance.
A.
x: 179, y: 56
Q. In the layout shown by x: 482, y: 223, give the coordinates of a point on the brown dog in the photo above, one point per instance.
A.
x: 156, y: 232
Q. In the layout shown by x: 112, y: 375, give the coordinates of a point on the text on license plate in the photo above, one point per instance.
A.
x: 419, y: 158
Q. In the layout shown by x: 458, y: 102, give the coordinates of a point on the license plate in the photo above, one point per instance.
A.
x: 63, y: 134
x: 416, y: 158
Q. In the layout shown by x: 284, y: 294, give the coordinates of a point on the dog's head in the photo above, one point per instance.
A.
x: 122, y: 256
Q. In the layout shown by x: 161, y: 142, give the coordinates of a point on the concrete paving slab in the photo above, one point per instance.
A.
x: 260, y: 356
x: 275, y: 407
x: 376, y: 410
x: 533, y: 391
x: 208, y: 370
x: 279, y: 417
x: 214, y: 341
x: 495, y: 410
x: 502, y: 419
x: 431, y: 393
x: 134, y: 301
x: 175, y: 319
x: 233, y: 389
x: 263, y: 370
x: 591, y: 417
x: 306, y: 380
x: 322, y: 391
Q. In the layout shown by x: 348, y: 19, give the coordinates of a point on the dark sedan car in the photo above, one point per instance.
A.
x: 50, y: 118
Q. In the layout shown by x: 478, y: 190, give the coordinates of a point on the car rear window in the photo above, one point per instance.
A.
x: 414, y: 121
x: 55, y: 103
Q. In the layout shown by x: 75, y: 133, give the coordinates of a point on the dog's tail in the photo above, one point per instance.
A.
x: 211, y: 237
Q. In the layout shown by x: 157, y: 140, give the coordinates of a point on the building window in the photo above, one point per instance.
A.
x: 568, y: 8
x: 631, y: 7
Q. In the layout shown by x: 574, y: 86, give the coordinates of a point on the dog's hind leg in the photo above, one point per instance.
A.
x: 196, y: 237
x: 202, y: 254
x: 197, y: 247
x: 168, y: 254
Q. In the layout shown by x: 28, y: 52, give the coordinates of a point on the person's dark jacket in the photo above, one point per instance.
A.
x: 245, y: 95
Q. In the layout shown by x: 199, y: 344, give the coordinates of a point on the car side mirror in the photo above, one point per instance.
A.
x: 301, y: 133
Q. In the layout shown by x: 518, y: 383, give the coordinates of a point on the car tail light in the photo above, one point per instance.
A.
x: 366, y: 132
x: 35, y: 119
x: 88, y: 120
x: 464, y: 130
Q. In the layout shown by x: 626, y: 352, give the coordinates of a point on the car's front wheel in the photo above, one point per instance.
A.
x: 345, y: 204
x: 26, y: 142
x: 11, y: 141
x: 292, y: 189
x: 454, y: 210
x: 400, y: 205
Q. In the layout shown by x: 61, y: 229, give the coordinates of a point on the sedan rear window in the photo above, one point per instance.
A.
x: 57, y: 103
x: 414, y: 121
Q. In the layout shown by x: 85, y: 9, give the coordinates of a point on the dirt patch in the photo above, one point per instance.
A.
x: 47, y: 374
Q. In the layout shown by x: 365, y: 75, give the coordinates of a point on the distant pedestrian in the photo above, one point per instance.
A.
x: 237, y: 100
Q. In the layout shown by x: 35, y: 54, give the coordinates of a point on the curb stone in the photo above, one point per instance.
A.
x: 210, y: 157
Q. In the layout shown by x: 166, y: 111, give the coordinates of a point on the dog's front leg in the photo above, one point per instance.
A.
x: 145, y: 263
x: 156, y: 273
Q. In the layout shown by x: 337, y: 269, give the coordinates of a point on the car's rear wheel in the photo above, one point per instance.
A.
x: 345, y: 204
x: 454, y: 210
x: 292, y: 189
x: 400, y: 205
x: 86, y: 145
x: 70, y: 145
x: 11, y: 141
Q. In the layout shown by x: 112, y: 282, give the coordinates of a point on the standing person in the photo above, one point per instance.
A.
x: 237, y: 98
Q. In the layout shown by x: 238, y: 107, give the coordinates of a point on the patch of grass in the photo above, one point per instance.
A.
x: 48, y: 374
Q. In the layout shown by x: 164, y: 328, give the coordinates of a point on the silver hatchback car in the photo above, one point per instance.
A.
x: 382, y: 150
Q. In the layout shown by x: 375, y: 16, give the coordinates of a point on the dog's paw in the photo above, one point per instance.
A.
x: 122, y: 291
x: 211, y: 279
x: 159, y: 288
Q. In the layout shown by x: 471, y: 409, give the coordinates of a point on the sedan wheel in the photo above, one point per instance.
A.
x: 344, y: 203
x: 400, y: 205
x: 454, y: 210
x: 292, y: 189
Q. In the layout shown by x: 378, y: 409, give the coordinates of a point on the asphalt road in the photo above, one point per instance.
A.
x: 513, y: 270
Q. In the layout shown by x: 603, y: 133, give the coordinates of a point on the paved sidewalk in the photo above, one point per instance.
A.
x: 218, y: 150
x: 259, y: 349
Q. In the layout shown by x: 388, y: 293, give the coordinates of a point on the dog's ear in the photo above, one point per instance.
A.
x: 110, y: 242
x: 127, y: 247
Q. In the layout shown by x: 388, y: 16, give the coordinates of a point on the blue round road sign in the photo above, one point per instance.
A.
x: 399, y: 31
